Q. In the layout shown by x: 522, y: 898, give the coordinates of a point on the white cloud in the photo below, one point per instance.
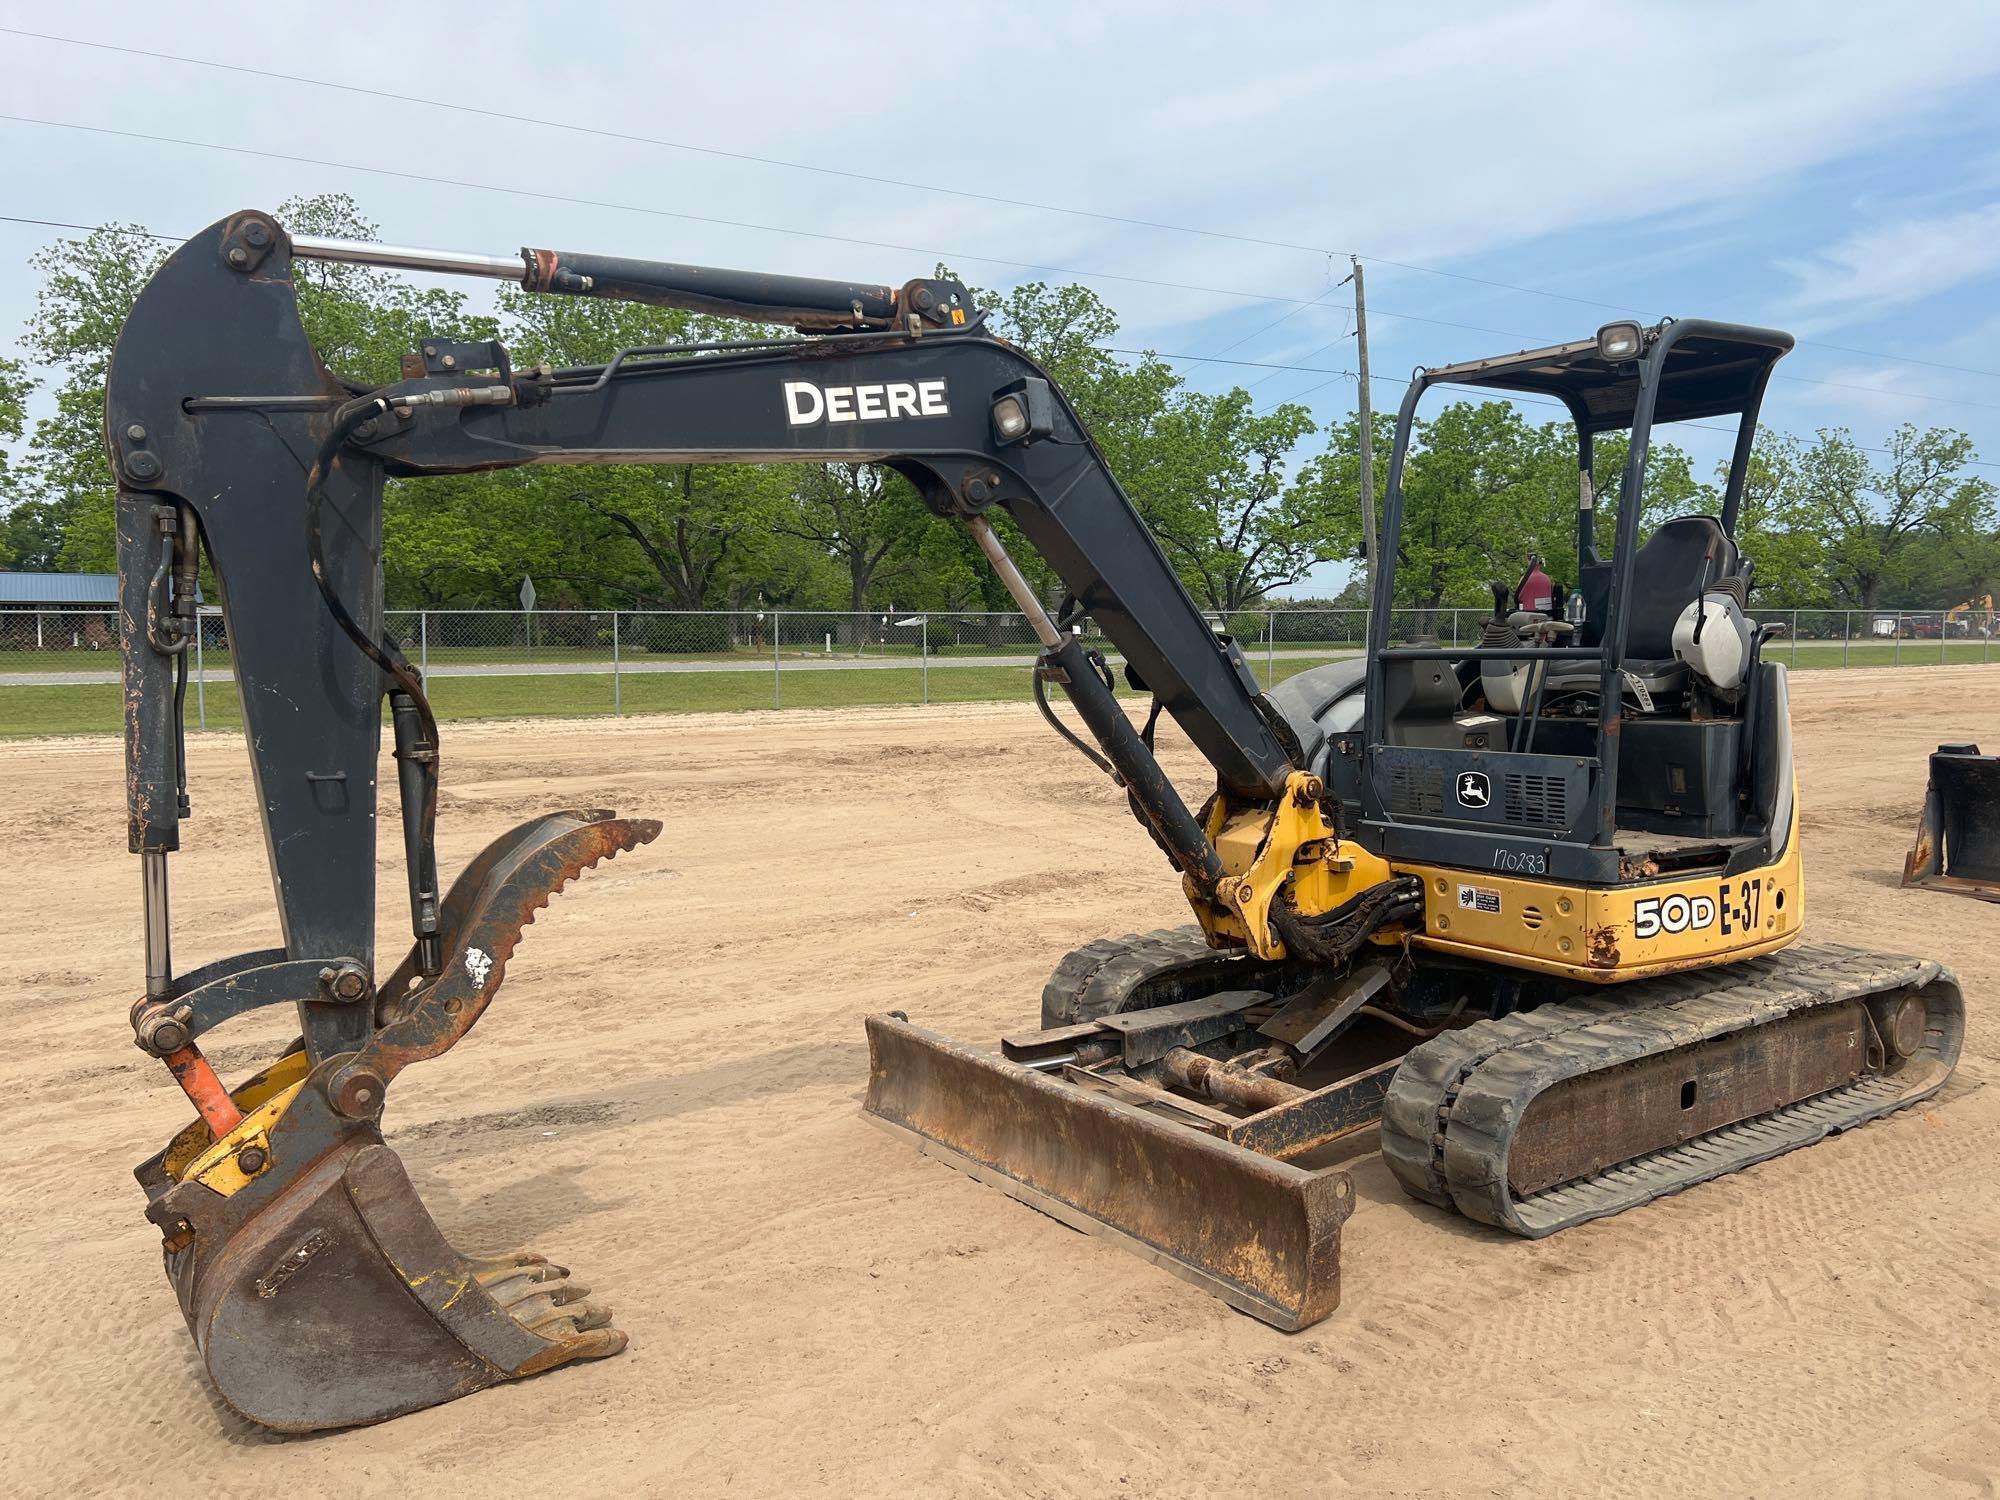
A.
x: 1894, y: 264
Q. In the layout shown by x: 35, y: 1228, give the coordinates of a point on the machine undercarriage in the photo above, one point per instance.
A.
x: 1527, y: 1106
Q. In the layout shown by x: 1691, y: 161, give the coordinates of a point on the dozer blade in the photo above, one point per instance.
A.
x: 319, y: 1291
x: 1259, y: 1233
x: 1958, y: 836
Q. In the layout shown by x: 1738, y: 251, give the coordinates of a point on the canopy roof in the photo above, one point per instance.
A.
x: 1712, y: 369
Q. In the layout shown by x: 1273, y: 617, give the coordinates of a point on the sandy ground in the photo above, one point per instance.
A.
x: 665, y: 1096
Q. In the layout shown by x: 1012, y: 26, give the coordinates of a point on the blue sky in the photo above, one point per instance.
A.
x: 1826, y: 168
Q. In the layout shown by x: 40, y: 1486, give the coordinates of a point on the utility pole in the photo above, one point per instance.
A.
x: 1366, y: 413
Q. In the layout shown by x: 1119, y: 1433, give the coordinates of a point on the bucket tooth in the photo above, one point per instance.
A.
x: 1259, y: 1233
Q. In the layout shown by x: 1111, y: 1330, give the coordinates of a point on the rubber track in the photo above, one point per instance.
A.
x: 1102, y: 977
x: 1449, y: 1120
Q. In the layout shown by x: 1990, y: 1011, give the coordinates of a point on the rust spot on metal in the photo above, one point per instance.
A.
x: 1603, y: 947
x: 543, y: 265
x: 1215, y: 1078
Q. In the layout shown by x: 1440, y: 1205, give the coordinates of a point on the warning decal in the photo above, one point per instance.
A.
x: 1479, y: 898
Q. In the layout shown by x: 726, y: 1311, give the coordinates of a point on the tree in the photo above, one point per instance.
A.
x: 1874, y: 514
x: 1781, y: 523
x: 1065, y: 330
x: 682, y: 534
x: 89, y: 287
x: 30, y: 531
x: 1469, y: 469
x: 363, y: 321
x: 861, y: 516
x: 1223, y: 505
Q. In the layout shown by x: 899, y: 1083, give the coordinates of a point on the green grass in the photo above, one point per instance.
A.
x: 94, y: 708
x: 27, y: 712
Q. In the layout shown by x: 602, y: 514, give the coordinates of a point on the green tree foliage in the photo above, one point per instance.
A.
x: 88, y: 288
x: 363, y: 321
x: 683, y: 537
x: 1225, y: 503
x: 1782, y: 526
x: 864, y: 517
x: 30, y: 531
x: 1898, y: 531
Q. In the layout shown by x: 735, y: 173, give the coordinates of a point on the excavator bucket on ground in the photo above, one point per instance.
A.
x: 318, y: 1289
x: 1958, y: 835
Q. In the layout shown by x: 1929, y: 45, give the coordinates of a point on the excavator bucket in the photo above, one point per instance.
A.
x: 1259, y: 1233
x: 1958, y: 836
x: 318, y: 1289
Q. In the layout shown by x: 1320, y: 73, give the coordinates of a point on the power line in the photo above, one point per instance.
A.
x: 636, y: 208
x: 1213, y: 359
x: 631, y: 137
x: 1299, y: 304
x: 1257, y: 333
x: 146, y: 234
x: 517, y: 120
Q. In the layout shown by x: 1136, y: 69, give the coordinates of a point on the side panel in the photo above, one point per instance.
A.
x: 1607, y: 935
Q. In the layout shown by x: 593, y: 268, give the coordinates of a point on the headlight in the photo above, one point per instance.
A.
x: 1023, y: 411
x: 1010, y: 418
x: 1618, y: 342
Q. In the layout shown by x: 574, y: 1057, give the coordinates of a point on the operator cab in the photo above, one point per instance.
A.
x: 1615, y: 729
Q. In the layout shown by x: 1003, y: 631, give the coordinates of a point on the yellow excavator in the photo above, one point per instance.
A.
x: 1530, y: 909
x: 1973, y: 617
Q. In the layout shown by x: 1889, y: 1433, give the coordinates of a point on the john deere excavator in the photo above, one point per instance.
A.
x: 1528, y: 907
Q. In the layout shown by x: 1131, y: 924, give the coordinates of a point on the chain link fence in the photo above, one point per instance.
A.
x: 59, y: 668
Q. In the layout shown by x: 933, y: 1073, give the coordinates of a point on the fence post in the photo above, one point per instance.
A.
x: 38, y: 630
x: 1941, y: 636
x: 777, y: 672
x: 1795, y: 640
x: 1846, y: 633
x: 1270, y: 649
x: 1898, y: 648
x: 617, y: 688
x: 424, y: 641
x: 200, y: 677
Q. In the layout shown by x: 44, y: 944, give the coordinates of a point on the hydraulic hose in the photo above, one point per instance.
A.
x: 1335, y: 937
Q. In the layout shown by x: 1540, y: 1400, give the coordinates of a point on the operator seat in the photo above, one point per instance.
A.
x: 1668, y: 573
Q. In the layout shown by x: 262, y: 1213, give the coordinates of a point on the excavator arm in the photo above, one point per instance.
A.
x: 287, y: 1222
x: 218, y: 403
